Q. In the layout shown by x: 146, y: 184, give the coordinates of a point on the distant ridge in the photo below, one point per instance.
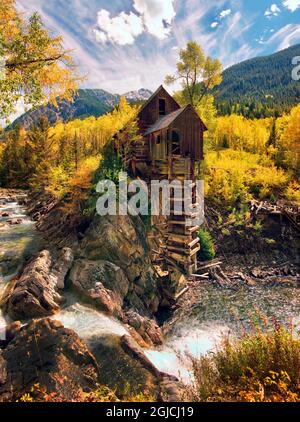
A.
x: 259, y: 87
x: 86, y: 103
x: 266, y: 80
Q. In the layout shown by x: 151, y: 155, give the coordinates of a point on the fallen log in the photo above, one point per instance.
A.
x: 221, y: 278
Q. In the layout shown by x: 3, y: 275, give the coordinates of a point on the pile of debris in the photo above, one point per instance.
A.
x: 286, y: 274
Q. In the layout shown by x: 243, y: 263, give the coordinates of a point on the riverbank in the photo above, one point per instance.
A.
x: 198, y: 321
x: 124, y: 368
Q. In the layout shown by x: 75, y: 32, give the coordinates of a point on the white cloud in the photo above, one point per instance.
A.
x: 274, y: 10
x: 292, y: 5
x: 286, y: 36
x: 122, y: 29
x: 229, y: 54
x: 225, y: 13
x: 153, y: 16
x: 222, y: 15
x: 260, y: 40
x: 157, y: 15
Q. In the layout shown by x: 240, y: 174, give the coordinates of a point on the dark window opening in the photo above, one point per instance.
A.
x: 158, y: 140
x: 175, y: 143
x: 162, y: 107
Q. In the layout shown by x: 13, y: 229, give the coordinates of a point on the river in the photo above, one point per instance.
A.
x: 195, y: 332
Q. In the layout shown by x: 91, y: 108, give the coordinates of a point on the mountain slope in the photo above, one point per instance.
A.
x: 87, y: 102
x: 259, y: 87
x: 267, y: 80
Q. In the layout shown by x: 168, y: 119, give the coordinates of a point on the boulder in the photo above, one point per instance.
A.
x: 14, y: 221
x: 102, y: 283
x: 46, y: 354
x: 44, y: 358
x: 132, y: 349
x: 9, y: 332
x: 121, y: 240
x: 170, y: 388
x: 123, y: 371
x: 35, y: 292
x: 147, y: 328
x: 61, y: 268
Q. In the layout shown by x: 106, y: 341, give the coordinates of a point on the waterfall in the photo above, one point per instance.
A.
x: 195, y: 332
x: 189, y: 339
x: 86, y: 321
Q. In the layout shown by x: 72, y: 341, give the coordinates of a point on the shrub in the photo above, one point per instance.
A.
x: 207, y: 251
x: 233, y: 177
x: 102, y: 394
x: 261, y: 366
x: 293, y: 192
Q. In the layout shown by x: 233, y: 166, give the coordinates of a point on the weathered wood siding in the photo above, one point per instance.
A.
x: 159, y: 151
x: 150, y: 113
x: 190, y: 130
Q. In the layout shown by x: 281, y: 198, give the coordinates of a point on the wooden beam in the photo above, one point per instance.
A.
x: 180, y: 294
x: 193, y: 229
x: 194, y: 242
x: 202, y: 277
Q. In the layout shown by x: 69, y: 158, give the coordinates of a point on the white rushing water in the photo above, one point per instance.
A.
x: 219, y: 313
x: 87, y: 322
x: 192, y: 340
x: 17, y: 241
x: 196, y: 333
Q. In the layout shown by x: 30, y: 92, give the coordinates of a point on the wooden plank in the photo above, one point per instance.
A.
x: 180, y: 294
x: 193, y: 229
x: 178, y: 249
x: 183, y: 251
x: 194, y: 251
x: 179, y: 258
x: 214, y: 264
x: 194, y: 242
x: 202, y: 277
x: 178, y: 238
x: 177, y: 223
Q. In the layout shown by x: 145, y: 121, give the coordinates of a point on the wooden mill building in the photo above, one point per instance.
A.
x: 170, y: 146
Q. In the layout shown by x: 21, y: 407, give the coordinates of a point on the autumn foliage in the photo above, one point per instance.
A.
x: 261, y: 366
x: 37, y: 67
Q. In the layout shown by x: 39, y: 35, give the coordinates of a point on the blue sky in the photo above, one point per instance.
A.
x: 123, y: 45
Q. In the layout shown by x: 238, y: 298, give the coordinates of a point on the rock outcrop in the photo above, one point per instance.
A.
x: 101, y: 282
x: 147, y: 328
x: 169, y: 387
x: 35, y: 292
x: 53, y: 358
x: 115, y: 273
x: 45, y: 353
x: 122, y: 241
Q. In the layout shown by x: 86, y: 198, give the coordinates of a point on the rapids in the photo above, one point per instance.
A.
x: 195, y: 331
